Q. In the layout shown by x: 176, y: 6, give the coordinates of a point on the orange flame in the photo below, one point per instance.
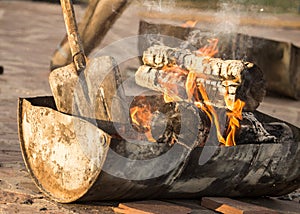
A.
x: 175, y: 69
x: 189, y: 24
x: 141, y: 117
x: 168, y: 99
x: 212, y: 112
x: 210, y: 49
x: 190, y: 84
x: 234, y: 116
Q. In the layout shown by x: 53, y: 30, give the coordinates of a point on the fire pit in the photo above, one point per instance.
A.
x: 177, y: 148
x: 67, y: 170
x: 197, y: 134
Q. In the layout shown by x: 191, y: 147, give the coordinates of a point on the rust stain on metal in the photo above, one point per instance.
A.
x: 64, y: 154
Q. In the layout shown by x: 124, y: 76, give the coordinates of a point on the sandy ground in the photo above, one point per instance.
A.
x: 29, y: 34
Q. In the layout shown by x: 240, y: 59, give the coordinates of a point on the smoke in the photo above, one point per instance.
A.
x: 159, y: 5
x: 227, y: 17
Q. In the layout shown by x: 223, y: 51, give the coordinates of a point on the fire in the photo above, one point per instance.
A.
x: 141, y: 115
x: 210, y: 49
x: 234, y: 116
x: 168, y: 99
x: 189, y: 23
x: 175, y: 69
x: 211, y: 112
x: 190, y: 84
x: 195, y: 93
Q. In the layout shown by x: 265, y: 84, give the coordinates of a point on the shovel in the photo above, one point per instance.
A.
x: 86, y: 87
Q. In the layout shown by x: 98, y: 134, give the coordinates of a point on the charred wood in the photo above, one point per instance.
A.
x: 156, y: 80
x: 180, y: 122
x: 255, y: 131
x: 168, y: 123
x: 178, y: 126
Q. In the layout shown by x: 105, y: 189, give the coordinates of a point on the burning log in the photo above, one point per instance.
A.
x: 180, y: 122
x: 239, y: 79
x: 168, y: 123
x: 176, y: 87
x: 207, y: 82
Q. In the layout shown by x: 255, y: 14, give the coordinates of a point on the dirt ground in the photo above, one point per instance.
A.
x: 29, y: 34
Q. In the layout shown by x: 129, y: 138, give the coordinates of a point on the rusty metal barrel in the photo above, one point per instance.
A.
x: 71, y: 159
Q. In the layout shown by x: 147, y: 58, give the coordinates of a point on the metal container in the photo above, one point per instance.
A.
x: 70, y: 159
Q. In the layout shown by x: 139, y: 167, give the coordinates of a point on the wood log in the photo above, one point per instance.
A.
x: 176, y: 121
x: 174, y: 85
x: 255, y: 131
x: 155, y: 79
x: 165, y: 123
x: 239, y: 79
x: 279, y: 60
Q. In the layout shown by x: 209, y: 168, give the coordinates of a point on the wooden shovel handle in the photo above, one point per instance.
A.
x: 73, y: 35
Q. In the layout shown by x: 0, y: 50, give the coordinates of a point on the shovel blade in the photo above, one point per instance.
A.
x: 94, y: 93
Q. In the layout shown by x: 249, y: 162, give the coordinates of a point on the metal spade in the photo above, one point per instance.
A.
x: 85, y: 87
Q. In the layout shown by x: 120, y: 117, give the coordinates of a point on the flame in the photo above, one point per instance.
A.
x: 210, y: 110
x: 173, y: 91
x: 168, y: 99
x: 189, y: 24
x: 210, y: 49
x: 234, y: 116
x: 190, y: 84
x: 234, y: 113
x: 141, y: 117
x: 175, y: 69
x: 196, y: 93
